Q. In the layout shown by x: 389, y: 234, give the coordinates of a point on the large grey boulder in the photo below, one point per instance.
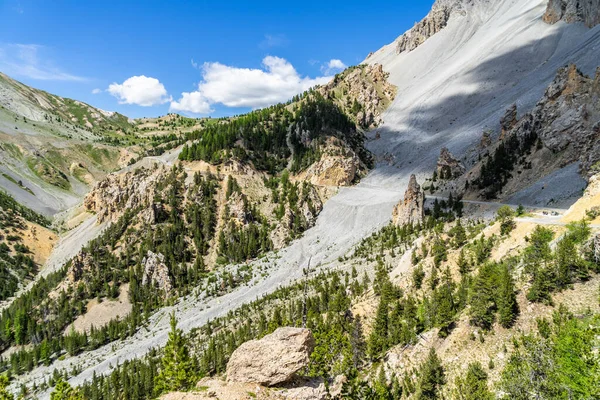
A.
x: 274, y: 359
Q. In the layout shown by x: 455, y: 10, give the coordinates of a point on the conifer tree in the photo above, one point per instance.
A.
x: 444, y: 305
x: 4, y: 393
x: 431, y: 378
x: 378, y: 338
x: 473, y: 386
x: 483, y: 296
x: 507, y: 298
x: 176, y: 364
x: 64, y: 391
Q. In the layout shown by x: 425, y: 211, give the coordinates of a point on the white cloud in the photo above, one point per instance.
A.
x: 141, y: 90
x: 193, y: 102
x: 31, y: 61
x: 276, y: 82
x: 96, y: 91
x: 334, y: 65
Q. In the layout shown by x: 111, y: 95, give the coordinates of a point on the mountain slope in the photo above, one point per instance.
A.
x: 53, y: 148
x: 452, y: 87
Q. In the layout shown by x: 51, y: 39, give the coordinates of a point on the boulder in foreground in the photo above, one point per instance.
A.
x: 274, y: 359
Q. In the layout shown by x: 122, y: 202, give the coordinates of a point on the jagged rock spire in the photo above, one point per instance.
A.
x: 410, y: 210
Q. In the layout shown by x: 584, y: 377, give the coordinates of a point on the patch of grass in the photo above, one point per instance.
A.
x: 49, y: 173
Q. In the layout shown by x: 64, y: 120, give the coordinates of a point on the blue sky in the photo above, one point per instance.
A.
x: 194, y: 57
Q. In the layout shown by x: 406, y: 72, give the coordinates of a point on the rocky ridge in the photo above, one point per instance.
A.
x: 435, y: 21
x: 572, y: 11
x: 365, y: 85
x: 121, y: 191
x: 567, y: 119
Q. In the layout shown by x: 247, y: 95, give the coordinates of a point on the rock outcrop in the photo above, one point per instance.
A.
x: 448, y: 167
x: 567, y: 119
x: 572, y: 11
x: 410, y: 210
x: 508, y: 120
x: 272, y: 360
x: 156, y: 272
x: 339, y: 165
x: 118, y: 192
x: 435, y: 21
x: 366, y: 85
x: 80, y: 264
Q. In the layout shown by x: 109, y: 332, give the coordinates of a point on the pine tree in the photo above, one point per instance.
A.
x: 4, y: 393
x: 357, y: 341
x: 431, y: 378
x: 483, y: 296
x: 176, y: 365
x: 378, y: 339
x: 444, y: 305
x: 473, y: 386
x: 381, y: 386
x: 508, y: 307
x: 64, y: 391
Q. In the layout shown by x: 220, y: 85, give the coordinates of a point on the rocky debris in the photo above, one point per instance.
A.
x: 118, y: 192
x: 80, y: 264
x: 272, y: 360
x: 508, y: 120
x: 486, y: 140
x: 156, y: 272
x: 368, y: 86
x: 435, y: 21
x: 572, y: 11
x: 410, y: 210
x: 449, y: 167
x: 567, y: 119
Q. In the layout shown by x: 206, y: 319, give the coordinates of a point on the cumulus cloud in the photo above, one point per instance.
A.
x: 333, y: 66
x: 32, y: 61
x: 140, y: 90
x: 276, y: 82
x: 193, y: 102
x: 96, y: 91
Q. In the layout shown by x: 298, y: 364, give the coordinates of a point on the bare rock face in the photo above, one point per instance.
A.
x: 508, y: 120
x: 435, y: 21
x: 567, y: 119
x: 572, y: 11
x: 81, y: 263
x: 448, y: 167
x: 339, y: 165
x: 117, y: 192
x: 272, y: 360
x: 486, y: 140
x: 411, y: 209
x: 156, y: 272
x: 368, y: 86
x: 238, y: 207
